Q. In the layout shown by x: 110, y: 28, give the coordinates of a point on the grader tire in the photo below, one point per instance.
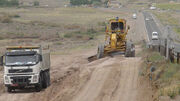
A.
x: 128, y: 50
x: 133, y: 53
x: 100, y: 52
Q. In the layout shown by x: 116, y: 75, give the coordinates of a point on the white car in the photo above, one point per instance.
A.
x: 154, y: 35
x: 147, y: 19
x: 152, y: 8
x: 134, y: 16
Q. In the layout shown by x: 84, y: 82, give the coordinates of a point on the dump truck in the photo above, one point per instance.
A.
x: 115, y: 40
x: 26, y: 67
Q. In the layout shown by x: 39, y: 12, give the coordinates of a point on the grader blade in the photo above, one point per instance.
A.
x: 92, y: 58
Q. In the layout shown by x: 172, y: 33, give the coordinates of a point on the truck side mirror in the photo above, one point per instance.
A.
x: 40, y: 57
x: 1, y: 61
x: 128, y: 27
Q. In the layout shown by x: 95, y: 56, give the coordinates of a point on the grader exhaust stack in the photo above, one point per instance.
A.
x: 115, y: 40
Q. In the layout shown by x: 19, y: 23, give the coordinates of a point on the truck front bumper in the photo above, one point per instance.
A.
x: 21, y: 80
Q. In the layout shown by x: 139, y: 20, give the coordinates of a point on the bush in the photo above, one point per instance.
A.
x: 16, y: 16
x: 6, y: 19
x: 68, y: 35
x: 79, y: 2
x: 172, y: 94
x: 85, y: 2
x: 36, y: 3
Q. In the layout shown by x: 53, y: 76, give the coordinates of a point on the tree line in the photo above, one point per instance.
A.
x: 9, y: 2
x: 84, y: 2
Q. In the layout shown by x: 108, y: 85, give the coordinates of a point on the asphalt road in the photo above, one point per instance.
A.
x: 151, y: 26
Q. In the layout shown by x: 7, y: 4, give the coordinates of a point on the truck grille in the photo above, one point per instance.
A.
x: 20, y: 79
x: 20, y: 70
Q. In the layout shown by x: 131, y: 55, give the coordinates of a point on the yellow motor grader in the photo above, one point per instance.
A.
x: 115, y: 39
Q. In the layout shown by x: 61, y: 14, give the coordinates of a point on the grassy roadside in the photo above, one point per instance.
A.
x: 168, y: 18
x: 163, y: 75
x: 169, y: 6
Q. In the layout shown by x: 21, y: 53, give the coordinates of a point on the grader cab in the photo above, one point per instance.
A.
x: 115, y: 39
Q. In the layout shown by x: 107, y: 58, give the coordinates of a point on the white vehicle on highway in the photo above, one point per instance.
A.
x: 154, y: 35
x: 152, y: 8
x: 147, y: 19
x: 134, y: 16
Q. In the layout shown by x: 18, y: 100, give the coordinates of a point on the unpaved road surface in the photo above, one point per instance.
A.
x: 73, y: 78
x: 114, y: 79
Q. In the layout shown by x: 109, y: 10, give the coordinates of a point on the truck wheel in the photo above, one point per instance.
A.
x: 9, y: 89
x: 49, y: 81
x: 100, y: 52
x: 44, y: 85
x: 39, y: 86
x: 128, y: 49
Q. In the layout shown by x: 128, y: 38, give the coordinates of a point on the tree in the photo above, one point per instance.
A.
x: 79, y: 2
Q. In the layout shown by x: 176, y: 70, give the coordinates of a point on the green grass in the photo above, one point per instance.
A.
x: 177, y: 30
x: 171, y: 73
x: 155, y: 57
x: 166, y: 76
x: 171, y: 6
x: 90, y: 33
x: 167, y: 19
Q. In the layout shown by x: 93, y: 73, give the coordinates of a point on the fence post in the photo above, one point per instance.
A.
x: 171, y: 55
x: 166, y: 49
x: 178, y: 58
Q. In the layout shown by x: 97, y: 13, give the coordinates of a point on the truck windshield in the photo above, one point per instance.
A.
x: 21, y: 60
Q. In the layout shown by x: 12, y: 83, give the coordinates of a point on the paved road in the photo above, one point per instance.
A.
x: 152, y: 26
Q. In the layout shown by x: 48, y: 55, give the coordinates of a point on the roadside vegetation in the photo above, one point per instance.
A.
x: 169, y: 18
x: 169, y: 6
x: 88, y: 2
x: 61, y: 28
x: 163, y: 75
x: 9, y: 2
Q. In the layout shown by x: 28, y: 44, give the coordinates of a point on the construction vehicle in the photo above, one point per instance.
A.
x: 26, y: 66
x: 115, y: 40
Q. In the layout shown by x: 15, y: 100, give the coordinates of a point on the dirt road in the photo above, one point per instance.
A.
x: 115, y: 79
x: 73, y: 78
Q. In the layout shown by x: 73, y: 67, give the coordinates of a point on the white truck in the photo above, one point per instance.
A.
x: 26, y: 66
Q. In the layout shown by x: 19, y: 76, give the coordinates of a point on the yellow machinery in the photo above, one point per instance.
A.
x: 115, y: 39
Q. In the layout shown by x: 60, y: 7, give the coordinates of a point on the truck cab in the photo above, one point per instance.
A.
x: 26, y: 66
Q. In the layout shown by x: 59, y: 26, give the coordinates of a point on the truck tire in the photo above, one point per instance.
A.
x: 100, y: 52
x: 38, y: 87
x: 128, y: 49
x: 45, y: 80
x: 9, y: 89
x: 49, y: 81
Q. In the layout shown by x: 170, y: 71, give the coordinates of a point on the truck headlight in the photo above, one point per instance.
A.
x: 6, y: 79
x: 35, y: 78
